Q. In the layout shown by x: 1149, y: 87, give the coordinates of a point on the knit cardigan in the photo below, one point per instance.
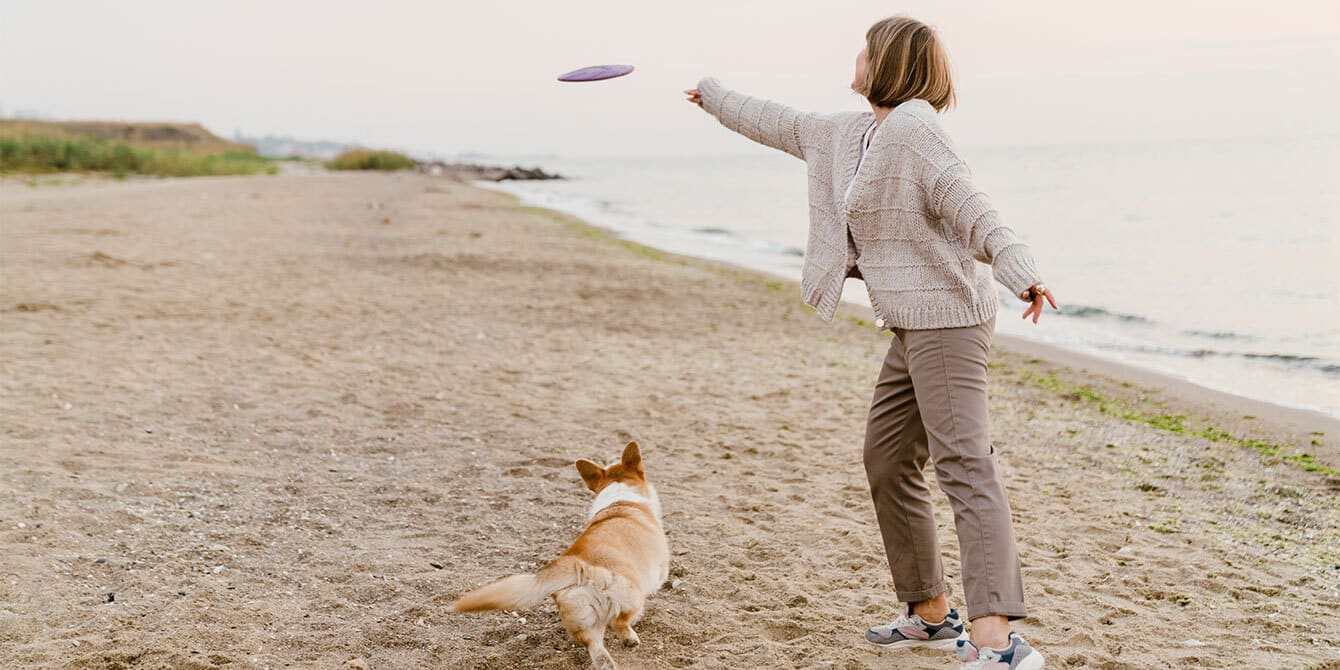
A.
x: 923, y: 234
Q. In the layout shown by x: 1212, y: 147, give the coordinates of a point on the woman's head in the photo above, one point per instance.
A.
x: 903, y: 59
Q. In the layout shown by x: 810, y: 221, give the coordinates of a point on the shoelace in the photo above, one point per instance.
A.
x: 904, y: 621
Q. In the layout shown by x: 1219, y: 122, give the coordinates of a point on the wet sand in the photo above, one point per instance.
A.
x: 282, y: 421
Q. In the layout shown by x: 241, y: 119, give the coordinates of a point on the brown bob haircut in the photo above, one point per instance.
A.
x: 905, y: 61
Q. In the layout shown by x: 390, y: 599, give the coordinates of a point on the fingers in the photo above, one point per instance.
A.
x: 1050, y: 298
x: 1034, y: 309
x: 1036, y: 305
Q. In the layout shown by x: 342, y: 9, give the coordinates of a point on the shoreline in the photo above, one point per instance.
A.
x: 754, y: 259
x: 1238, y: 414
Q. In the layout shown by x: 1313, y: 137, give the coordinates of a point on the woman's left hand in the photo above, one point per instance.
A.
x: 1038, y: 292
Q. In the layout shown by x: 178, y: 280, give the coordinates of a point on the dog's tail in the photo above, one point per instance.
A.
x: 523, y: 591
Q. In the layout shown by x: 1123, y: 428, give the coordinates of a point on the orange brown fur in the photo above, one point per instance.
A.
x: 604, y: 578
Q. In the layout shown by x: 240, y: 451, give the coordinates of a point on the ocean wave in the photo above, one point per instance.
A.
x: 1325, y: 366
x: 612, y: 215
x: 1089, y: 312
x: 1216, y: 335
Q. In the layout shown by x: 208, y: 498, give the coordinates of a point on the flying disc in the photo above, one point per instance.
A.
x: 596, y: 73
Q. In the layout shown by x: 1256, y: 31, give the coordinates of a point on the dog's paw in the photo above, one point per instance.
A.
x: 630, y: 639
x: 602, y: 660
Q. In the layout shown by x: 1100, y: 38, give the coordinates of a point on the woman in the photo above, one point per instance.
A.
x: 893, y: 204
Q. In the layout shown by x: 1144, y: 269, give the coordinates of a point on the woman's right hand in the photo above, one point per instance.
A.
x: 1035, y: 295
x: 694, y: 96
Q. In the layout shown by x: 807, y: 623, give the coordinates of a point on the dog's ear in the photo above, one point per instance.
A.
x: 591, y: 473
x: 632, y: 458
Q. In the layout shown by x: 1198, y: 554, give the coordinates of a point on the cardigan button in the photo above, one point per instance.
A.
x: 879, y: 323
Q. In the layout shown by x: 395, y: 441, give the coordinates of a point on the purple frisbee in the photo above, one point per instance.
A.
x: 596, y: 73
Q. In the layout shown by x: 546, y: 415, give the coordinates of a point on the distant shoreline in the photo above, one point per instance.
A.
x: 1158, y: 346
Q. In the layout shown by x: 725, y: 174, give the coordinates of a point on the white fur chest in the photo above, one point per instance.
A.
x: 618, y: 492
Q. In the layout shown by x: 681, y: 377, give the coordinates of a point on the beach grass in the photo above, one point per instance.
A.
x: 368, y: 159
x: 44, y: 154
x: 1178, y: 423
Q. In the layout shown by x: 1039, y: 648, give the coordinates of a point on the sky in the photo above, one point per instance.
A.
x: 456, y: 77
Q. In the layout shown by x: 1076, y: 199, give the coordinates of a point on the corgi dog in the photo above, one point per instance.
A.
x: 604, y: 578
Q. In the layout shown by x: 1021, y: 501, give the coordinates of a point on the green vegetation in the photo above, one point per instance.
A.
x: 1176, y: 423
x: 189, y: 136
x: 367, y: 159
x: 42, y: 154
x: 120, y: 149
x: 1166, y: 527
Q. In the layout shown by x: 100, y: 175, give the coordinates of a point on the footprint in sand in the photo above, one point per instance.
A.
x: 1111, y: 617
x: 546, y: 462
x: 784, y: 632
x: 104, y: 260
x: 35, y: 307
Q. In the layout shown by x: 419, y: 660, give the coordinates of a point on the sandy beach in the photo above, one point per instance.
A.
x: 270, y: 422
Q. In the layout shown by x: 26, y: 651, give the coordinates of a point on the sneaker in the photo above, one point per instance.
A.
x: 911, y: 630
x: 1017, y: 656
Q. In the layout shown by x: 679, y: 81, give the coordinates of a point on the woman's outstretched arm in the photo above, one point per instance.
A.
x: 764, y: 121
x: 969, y: 216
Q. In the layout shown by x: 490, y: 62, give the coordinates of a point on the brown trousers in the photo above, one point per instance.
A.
x: 930, y: 403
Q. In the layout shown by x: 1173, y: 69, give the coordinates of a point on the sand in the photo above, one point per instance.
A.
x: 281, y: 421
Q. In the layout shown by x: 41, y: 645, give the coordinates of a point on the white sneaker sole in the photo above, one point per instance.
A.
x: 1034, y: 661
x: 944, y: 645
